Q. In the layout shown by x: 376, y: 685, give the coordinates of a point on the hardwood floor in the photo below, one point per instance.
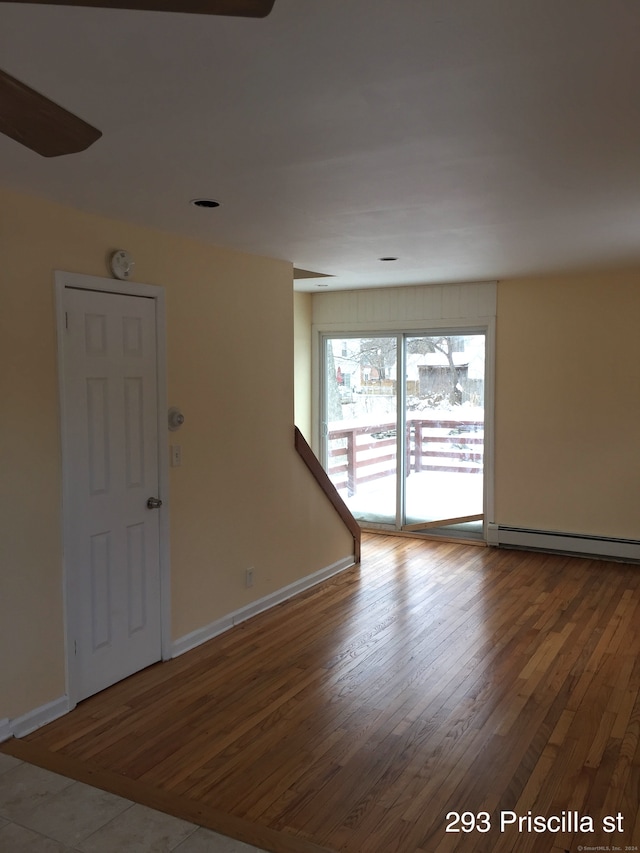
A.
x: 433, y: 678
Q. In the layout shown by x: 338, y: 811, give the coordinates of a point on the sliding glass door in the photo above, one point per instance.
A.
x: 361, y: 423
x: 444, y: 418
x: 407, y: 455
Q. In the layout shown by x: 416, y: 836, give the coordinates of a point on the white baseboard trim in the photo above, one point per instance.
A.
x: 32, y: 720
x: 626, y: 550
x: 5, y: 730
x: 201, y: 635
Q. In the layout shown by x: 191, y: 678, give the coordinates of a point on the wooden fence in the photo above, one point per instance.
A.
x: 359, y: 454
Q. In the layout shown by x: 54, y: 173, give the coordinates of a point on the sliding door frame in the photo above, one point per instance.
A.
x: 486, y: 326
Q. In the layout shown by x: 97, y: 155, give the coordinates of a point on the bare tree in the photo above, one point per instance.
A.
x: 334, y: 403
x: 379, y: 354
x: 447, y: 345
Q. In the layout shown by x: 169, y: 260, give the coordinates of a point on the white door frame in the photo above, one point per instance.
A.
x: 63, y: 280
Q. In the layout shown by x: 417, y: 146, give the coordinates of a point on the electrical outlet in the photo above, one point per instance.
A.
x: 248, y: 577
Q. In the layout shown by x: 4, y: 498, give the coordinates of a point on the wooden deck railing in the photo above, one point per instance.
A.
x: 359, y: 454
x: 321, y: 476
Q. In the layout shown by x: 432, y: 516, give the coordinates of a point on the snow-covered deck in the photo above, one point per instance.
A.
x: 444, y: 460
x: 430, y: 496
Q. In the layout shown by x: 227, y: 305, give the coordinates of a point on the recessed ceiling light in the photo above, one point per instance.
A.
x: 204, y: 202
x: 387, y: 259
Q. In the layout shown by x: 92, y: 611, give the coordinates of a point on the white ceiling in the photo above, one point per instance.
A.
x: 472, y: 139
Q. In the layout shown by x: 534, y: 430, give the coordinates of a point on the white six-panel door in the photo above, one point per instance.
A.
x: 110, y: 452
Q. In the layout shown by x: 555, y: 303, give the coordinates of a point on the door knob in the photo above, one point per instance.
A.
x: 154, y: 503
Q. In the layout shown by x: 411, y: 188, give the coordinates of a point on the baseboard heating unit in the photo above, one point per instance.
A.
x: 627, y: 550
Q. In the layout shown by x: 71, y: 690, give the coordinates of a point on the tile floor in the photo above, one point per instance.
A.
x: 42, y: 812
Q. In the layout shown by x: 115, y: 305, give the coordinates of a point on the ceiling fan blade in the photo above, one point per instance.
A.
x: 238, y: 8
x: 35, y: 121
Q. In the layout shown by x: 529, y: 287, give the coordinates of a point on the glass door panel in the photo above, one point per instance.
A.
x: 444, y: 414
x: 360, y: 424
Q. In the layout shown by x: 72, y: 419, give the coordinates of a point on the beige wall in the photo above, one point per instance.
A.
x: 568, y: 404
x: 567, y: 391
x: 242, y: 496
x: 302, y: 361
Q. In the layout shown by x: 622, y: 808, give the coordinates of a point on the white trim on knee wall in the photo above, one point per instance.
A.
x: 201, y: 635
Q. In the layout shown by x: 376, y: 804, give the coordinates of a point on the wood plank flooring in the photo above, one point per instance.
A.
x: 433, y: 678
